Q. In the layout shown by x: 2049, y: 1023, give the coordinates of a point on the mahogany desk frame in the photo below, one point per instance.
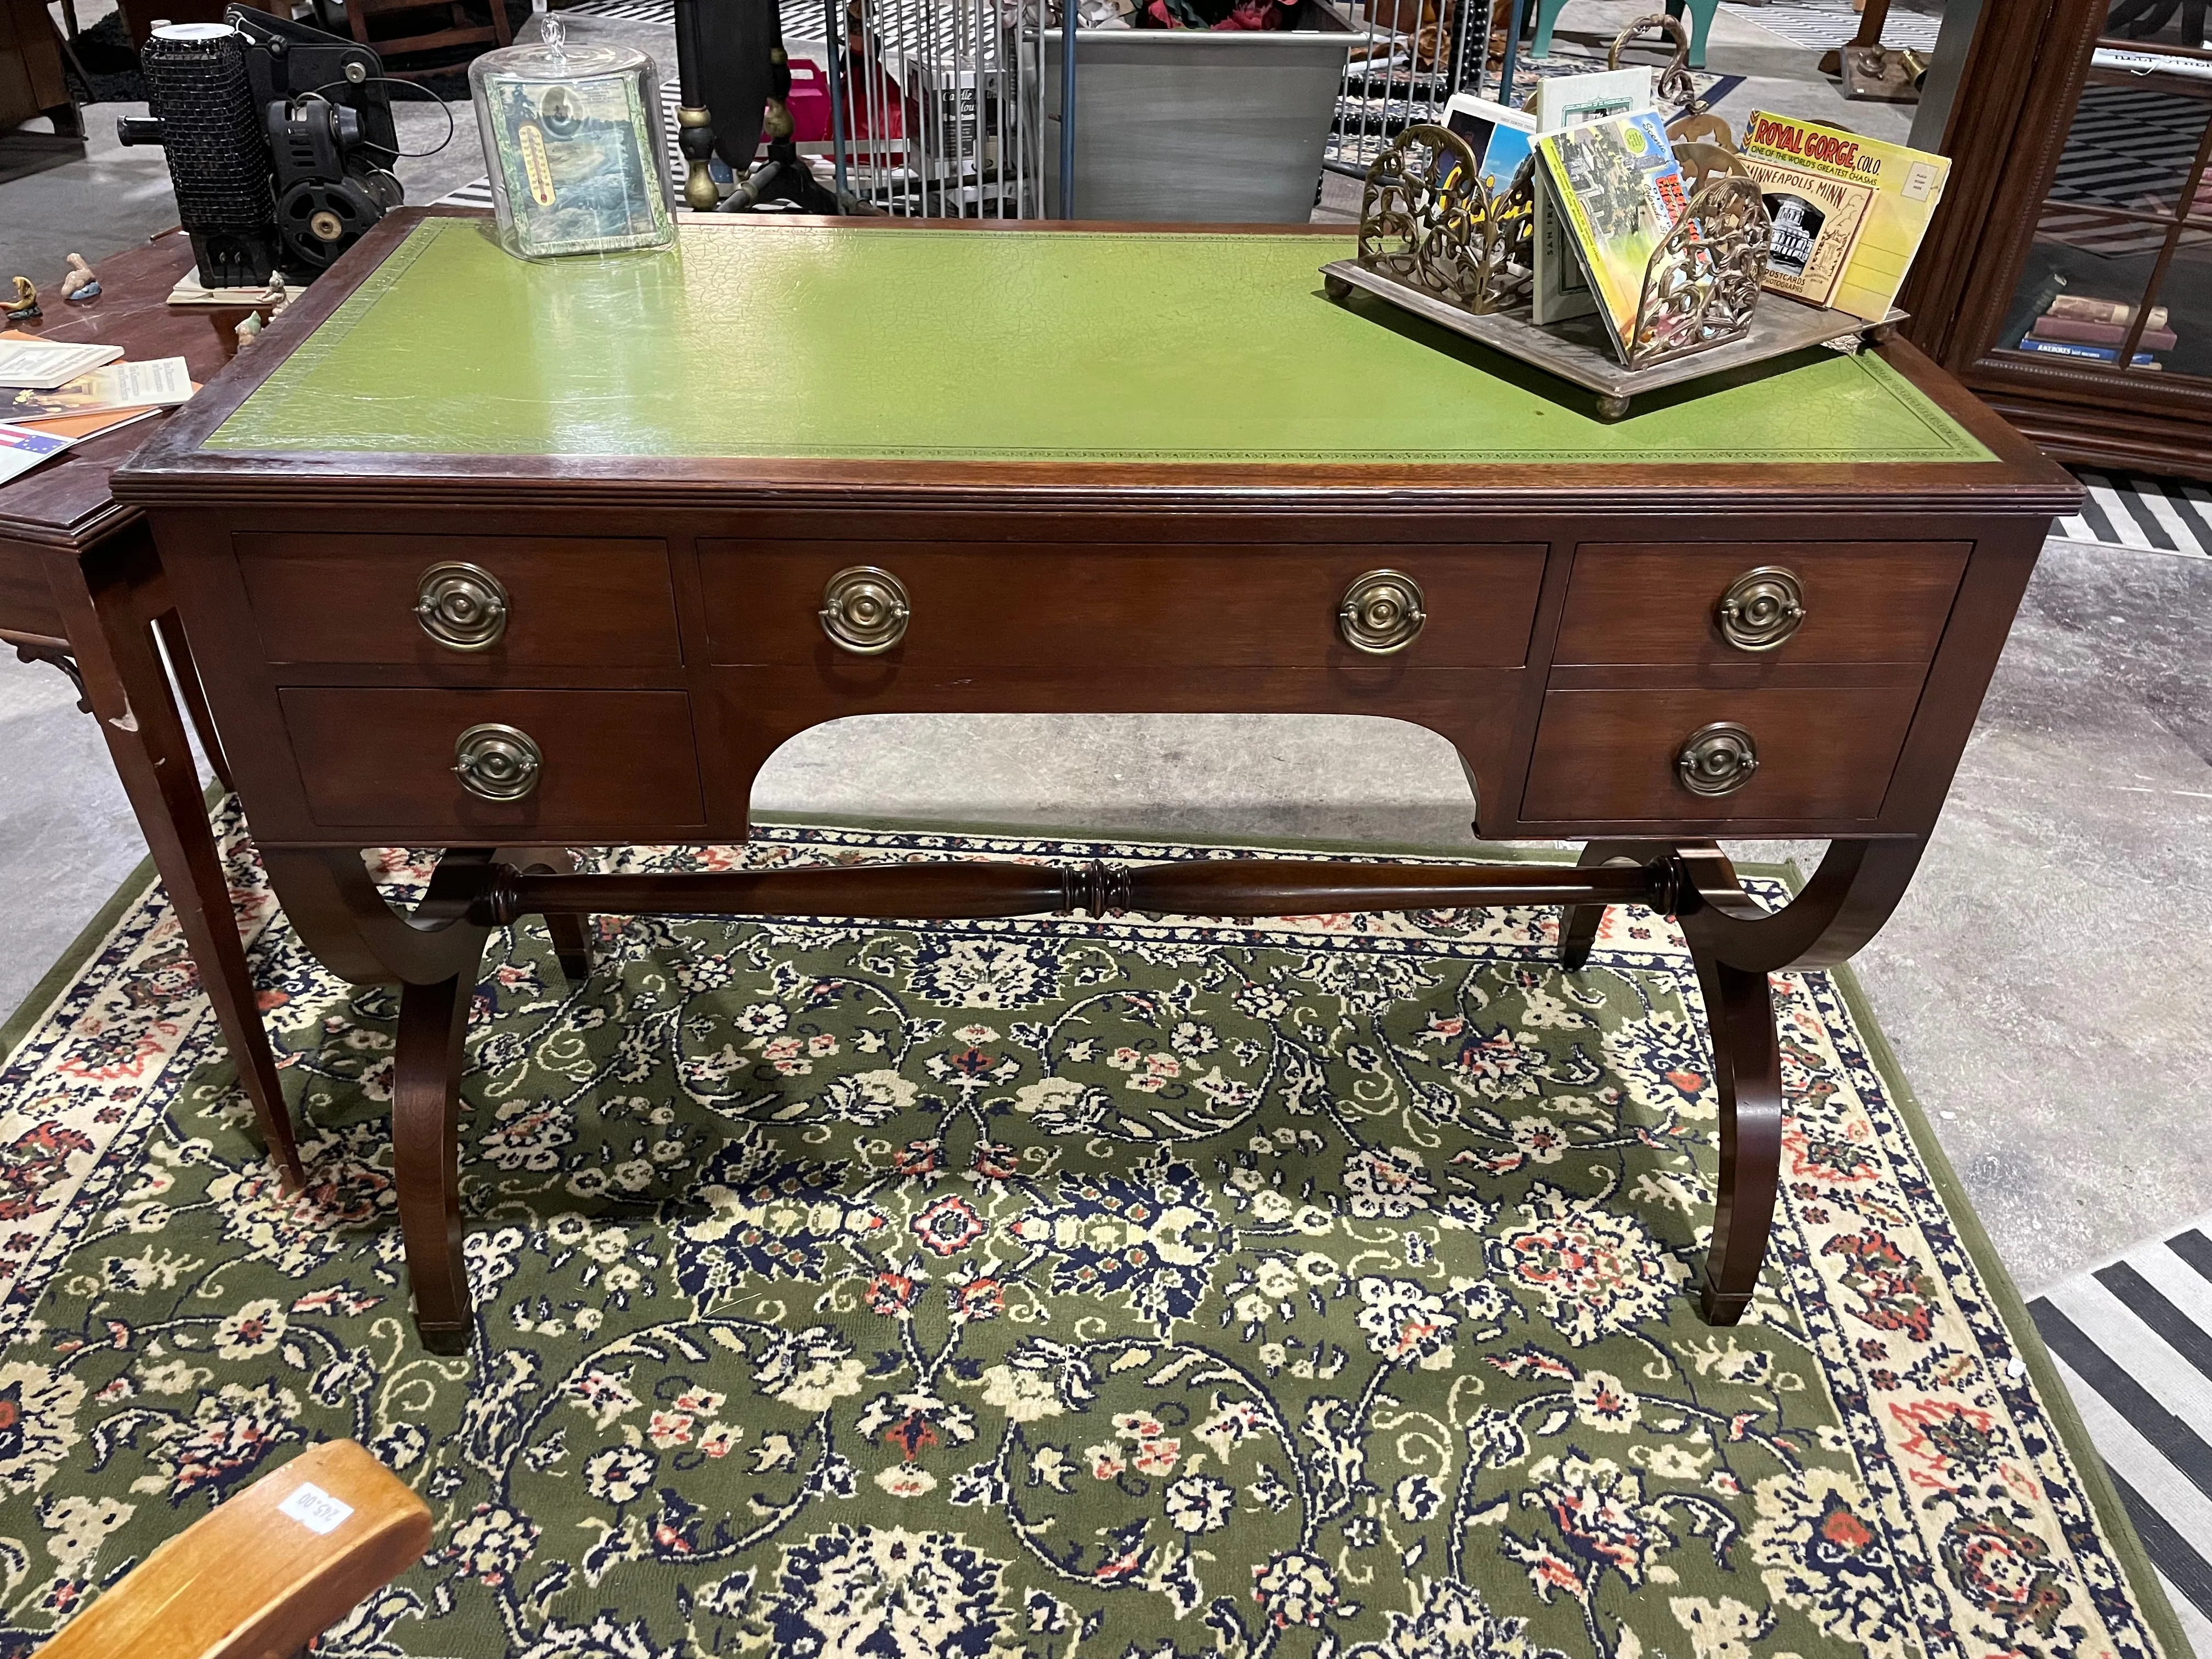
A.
x: 1936, y: 555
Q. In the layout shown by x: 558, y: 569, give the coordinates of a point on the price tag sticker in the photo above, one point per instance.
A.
x: 314, y: 1508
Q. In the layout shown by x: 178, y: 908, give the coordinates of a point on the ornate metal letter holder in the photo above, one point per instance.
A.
x: 1435, y: 239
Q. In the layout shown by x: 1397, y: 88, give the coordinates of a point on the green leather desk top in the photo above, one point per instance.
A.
x: 766, y: 340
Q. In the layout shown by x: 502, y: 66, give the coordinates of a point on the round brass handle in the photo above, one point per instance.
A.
x: 1381, y: 613
x: 865, y: 610
x: 1761, y: 609
x: 497, y: 762
x: 1716, y: 759
x: 461, y: 606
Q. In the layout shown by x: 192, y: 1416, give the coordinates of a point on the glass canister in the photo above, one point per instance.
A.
x: 572, y: 135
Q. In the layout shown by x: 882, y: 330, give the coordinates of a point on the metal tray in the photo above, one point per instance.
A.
x: 1578, y: 350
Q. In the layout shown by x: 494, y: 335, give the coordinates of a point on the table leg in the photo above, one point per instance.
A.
x: 187, y: 674
x: 1872, y: 22
x: 434, y: 1019
x: 1748, y: 1079
x: 1578, y: 923
x: 1736, y: 942
x: 104, y: 600
x: 571, y: 937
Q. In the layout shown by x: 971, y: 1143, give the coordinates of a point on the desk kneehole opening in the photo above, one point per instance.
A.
x: 1717, y: 759
x: 495, y: 761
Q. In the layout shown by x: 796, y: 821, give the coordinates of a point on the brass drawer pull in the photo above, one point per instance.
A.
x: 1381, y: 613
x: 461, y: 606
x: 1716, y: 759
x: 1762, y: 609
x: 497, y: 762
x: 865, y: 610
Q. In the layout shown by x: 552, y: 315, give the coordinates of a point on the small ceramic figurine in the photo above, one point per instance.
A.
x: 280, y: 294
x: 83, y: 281
x: 25, y: 304
x: 249, y: 328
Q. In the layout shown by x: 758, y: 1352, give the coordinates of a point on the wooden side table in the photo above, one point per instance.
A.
x: 81, y: 587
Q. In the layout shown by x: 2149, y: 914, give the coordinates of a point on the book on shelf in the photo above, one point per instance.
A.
x: 1907, y: 184
x: 2094, y: 354
x: 1815, y: 223
x: 2052, y: 326
x: 1617, y: 191
x: 1560, y: 289
x: 2082, y: 308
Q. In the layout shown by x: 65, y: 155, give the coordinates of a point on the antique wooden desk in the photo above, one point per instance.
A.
x: 81, y: 588
x: 557, y: 556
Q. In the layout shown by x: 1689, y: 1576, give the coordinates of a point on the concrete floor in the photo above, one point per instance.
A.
x: 2047, y: 982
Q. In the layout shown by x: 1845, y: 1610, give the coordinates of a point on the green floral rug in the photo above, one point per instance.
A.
x: 1048, y: 1287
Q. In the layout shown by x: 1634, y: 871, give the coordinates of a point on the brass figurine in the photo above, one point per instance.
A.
x: 25, y: 306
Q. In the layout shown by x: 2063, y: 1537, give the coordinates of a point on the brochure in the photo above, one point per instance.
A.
x: 1907, y: 184
x: 154, y: 383
x: 42, y: 365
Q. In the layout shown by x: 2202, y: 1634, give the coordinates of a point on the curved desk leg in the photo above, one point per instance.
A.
x: 353, y: 930
x: 434, y: 953
x: 426, y: 1155
x: 1735, y: 942
x: 1748, y: 1078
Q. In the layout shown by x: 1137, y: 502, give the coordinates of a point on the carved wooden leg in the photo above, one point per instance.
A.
x: 104, y: 602
x: 1578, y: 923
x: 1748, y: 1078
x: 426, y: 1155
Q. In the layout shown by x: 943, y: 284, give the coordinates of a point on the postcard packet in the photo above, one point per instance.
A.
x: 1907, y: 184
x: 1618, y: 189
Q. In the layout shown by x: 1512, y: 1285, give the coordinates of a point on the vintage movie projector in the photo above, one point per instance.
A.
x: 278, y: 138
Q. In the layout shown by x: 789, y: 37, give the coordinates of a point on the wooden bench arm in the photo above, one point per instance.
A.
x: 266, y: 1572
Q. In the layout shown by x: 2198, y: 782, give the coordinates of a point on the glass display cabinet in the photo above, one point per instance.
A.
x: 2068, y: 279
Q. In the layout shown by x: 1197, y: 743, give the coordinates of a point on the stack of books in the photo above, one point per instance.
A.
x: 2093, y: 331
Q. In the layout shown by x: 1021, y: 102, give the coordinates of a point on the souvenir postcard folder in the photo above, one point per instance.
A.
x: 1619, y: 189
x: 1906, y: 185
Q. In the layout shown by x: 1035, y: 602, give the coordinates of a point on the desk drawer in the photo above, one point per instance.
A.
x: 620, y: 759
x: 1613, y: 755
x: 1863, y: 601
x: 565, y: 602
x: 1100, y: 606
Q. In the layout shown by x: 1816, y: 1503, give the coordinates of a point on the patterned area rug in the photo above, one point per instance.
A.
x: 1048, y: 1286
